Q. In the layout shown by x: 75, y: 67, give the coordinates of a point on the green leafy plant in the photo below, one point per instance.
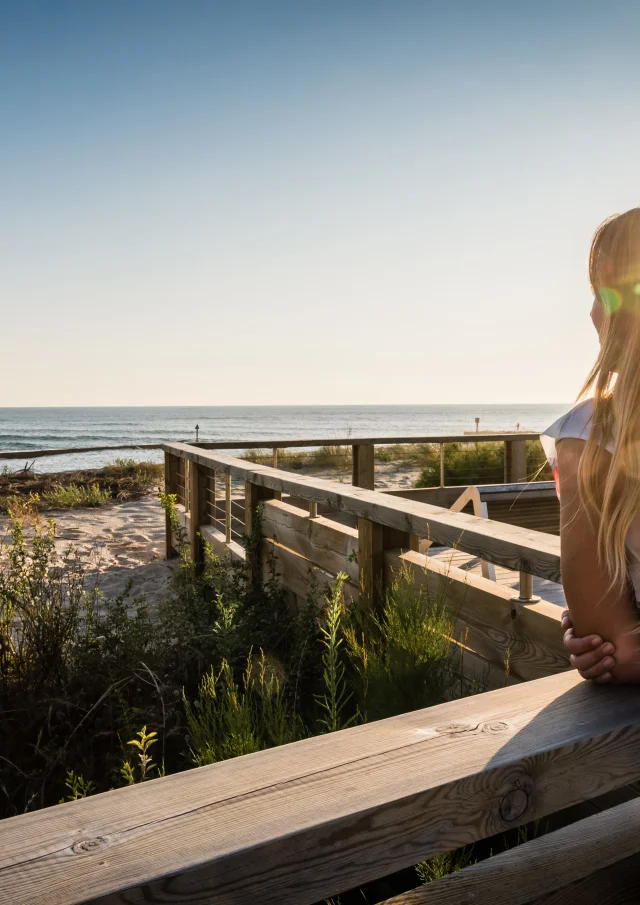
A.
x: 143, y: 765
x: 336, y: 696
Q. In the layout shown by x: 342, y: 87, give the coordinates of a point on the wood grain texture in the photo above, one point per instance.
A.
x: 515, y: 461
x: 326, y: 544
x: 507, y: 545
x: 371, y: 562
x: 198, y: 512
x: 491, y: 623
x: 297, y: 574
x: 298, y: 823
x: 559, y: 867
x: 363, y: 465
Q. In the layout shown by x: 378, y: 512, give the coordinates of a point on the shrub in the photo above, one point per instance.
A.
x: 73, y: 496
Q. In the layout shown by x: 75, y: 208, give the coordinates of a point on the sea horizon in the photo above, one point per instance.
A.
x: 28, y: 428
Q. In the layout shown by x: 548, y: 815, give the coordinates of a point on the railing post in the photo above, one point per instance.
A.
x: 362, y: 466
x: 277, y: 495
x: 442, y: 464
x: 253, y: 496
x: 371, y: 561
x: 313, y: 509
x: 526, y: 594
x: 515, y: 461
x: 197, y: 512
x: 170, y: 487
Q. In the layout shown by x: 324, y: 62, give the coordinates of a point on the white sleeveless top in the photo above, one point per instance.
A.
x: 576, y: 424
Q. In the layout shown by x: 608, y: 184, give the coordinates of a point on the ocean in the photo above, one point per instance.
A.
x: 45, y: 428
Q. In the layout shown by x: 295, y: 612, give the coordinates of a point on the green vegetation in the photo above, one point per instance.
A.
x: 98, y: 693
x: 125, y: 479
x: 470, y: 463
x: 337, y: 458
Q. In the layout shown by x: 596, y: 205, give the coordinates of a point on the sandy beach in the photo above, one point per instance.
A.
x: 118, y: 543
x: 124, y: 542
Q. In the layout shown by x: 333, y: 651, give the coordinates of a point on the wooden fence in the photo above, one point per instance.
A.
x: 495, y: 625
x: 361, y: 451
x: 296, y: 824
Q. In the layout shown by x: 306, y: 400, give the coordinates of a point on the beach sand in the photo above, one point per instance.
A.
x: 118, y: 543
x: 125, y: 541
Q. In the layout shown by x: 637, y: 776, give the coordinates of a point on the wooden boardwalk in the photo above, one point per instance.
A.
x: 547, y: 590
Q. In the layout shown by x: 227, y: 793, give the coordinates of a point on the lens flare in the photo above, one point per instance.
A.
x: 611, y: 299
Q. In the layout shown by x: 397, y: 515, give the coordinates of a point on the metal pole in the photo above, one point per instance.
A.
x: 197, y: 430
x: 227, y: 513
x: 526, y: 594
x: 442, y: 464
x: 313, y: 509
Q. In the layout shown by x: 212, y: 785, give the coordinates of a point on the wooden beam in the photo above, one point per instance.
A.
x: 547, y: 866
x: 506, y: 545
x: 197, y: 511
x: 325, y: 543
x: 515, y: 461
x: 371, y: 562
x: 170, y: 487
x: 363, y: 466
x: 296, y: 824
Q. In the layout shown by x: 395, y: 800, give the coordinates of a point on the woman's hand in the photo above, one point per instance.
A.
x: 591, y: 656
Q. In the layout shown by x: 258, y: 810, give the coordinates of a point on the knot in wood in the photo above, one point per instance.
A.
x: 514, y: 804
x: 495, y: 726
x: 89, y: 845
x: 454, y: 728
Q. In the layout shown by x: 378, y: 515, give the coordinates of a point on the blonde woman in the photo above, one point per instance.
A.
x: 594, y: 452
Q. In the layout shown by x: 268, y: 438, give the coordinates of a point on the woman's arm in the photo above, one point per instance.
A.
x: 596, y: 608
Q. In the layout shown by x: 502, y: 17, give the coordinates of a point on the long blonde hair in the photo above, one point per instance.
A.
x: 614, y: 382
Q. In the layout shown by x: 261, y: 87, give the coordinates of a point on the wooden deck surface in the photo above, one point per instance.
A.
x: 547, y: 590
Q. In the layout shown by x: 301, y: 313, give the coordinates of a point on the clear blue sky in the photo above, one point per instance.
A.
x: 307, y: 202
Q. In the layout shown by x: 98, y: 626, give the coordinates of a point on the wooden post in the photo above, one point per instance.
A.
x: 253, y: 496
x: 197, y: 512
x: 395, y: 539
x: 170, y: 487
x: 363, y: 471
x: 277, y: 495
x: 515, y: 461
x: 442, y: 464
x: 371, y: 561
x: 313, y: 509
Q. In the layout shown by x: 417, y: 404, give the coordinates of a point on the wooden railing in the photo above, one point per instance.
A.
x: 498, y: 625
x: 293, y: 825
x: 296, y: 824
x: 362, y: 451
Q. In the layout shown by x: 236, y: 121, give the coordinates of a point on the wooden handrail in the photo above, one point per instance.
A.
x: 506, y: 545
x: 530, y: 872
x: 273, y: 444
x: 301, y: 822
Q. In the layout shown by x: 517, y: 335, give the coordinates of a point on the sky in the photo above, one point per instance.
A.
x: 210, y: 203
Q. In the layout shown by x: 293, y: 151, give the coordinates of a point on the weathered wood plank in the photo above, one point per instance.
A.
x: 507, y: 545
x: 515, y: 460
x: 298, y: 574
x: 528, y: 637
x: 363, y: 465
x: 327, y: 544
x: 219, y: 544
x: 558, y: 867
x: 198, y: 511
x: 299, y: 823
